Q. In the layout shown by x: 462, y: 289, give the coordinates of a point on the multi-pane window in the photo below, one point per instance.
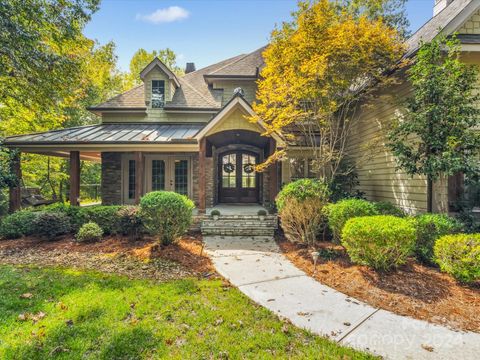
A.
x: 131, y: 179
x: 158, y: 94
x: 181, y: 177
x: 229, y: 177
x: 158, y: 175
x: 248, y: 171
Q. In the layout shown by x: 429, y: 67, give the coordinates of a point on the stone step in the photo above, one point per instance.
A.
x: 239, y: 225
x: 239, y: 231
x: 220, y: 223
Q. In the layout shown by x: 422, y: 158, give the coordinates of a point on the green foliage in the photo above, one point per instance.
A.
x: 119, y: 318
x: 429, y: 228
x: 339, y: 213
x: 130, y: 222
x: 382, y: 241
x: 344, y: 184
x: 387, y: 208
x: 215, y: 212
x: 302, y: 189
x: 459, y: 256
x: 166, y: 214
x: 20, y: 223
x: 50, y: 225
x: 437, y: 134
x: 89, y: 232
x: 142, y: 58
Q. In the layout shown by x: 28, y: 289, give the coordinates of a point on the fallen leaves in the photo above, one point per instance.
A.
x: 26, y: 296
x: 29, y: 316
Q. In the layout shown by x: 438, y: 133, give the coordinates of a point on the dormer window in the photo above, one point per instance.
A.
x: 158, y: 94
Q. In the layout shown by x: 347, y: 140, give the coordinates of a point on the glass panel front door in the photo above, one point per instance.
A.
x: 238, y: 181
x: 158, y: 175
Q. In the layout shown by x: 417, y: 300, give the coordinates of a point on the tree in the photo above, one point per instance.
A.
x: 318, y: 69
x: 49, y: 74
x: 142, y: 58
x: 36, y: 57
x: 436, y: 136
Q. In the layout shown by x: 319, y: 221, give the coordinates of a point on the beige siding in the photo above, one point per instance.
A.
x: 376, y: 166
x: 249, y: 88
x: 472, y: 25
x: 236, y: 120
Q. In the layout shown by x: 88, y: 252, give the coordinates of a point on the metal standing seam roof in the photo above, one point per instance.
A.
x: 112, y: 134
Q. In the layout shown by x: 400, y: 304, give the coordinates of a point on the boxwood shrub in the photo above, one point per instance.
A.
x: 89, y: 232
x: 382, y: 242
x: 387, y: 208
x: 129, y: 222
x: 459, y: 256
x: 429, y: 228
x: 300, y: 207
x: 18, y: 224
x: 166, y: 214
x: 50, y: 225
x: 339, y: 213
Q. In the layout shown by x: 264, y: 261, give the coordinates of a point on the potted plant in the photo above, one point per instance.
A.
x: 215, y: 214
x: 261, y: 214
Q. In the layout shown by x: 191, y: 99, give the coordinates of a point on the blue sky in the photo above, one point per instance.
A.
x: 202, y: 32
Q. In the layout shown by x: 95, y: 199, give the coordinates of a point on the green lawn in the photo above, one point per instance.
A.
x: 93, y: 315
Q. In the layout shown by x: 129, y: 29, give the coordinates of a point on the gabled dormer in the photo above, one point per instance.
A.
x: 159, y: 84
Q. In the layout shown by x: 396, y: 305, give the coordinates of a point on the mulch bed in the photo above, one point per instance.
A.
x: 119, y: 255
x: 412, y: 290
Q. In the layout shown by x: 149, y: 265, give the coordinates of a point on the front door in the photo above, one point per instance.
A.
x: 238, y: 180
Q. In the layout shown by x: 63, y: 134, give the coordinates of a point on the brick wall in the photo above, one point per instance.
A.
x: 111, y: 178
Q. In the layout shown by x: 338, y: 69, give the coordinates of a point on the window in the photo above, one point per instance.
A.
x: 158, y: 94
x: 131, y: 179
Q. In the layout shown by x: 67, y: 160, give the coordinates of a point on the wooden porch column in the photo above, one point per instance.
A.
x: 74, y: 195
x: 273, y: 172
x: 15, y: 200
x: 202, y: 181
x: 139, y: 175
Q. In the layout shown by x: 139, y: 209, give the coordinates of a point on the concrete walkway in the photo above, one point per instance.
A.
x: 257, y: 267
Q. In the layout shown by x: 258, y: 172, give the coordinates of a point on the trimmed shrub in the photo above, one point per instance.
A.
x: 459, y: 256
x: 18, y: 224
x: 430, y: 227
x: 166, y: 214
x: 106, y: 216
x: 50, y: 225
x: 89, y: 232
x: 302, y: 189
x: 130, y: 222
x: 215, y: 212
x: 382, y: 241
x: 300, y: 205
x: 339, y: 213
x: 387, y: 208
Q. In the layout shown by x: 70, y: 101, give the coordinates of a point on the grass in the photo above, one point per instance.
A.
x: 97, y: 316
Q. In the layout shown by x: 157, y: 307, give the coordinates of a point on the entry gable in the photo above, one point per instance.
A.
x: 233, y: 116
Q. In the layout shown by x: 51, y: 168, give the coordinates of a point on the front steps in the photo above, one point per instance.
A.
x: 239, y: 225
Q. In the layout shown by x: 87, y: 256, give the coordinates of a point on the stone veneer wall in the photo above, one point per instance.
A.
x: 111, y: 178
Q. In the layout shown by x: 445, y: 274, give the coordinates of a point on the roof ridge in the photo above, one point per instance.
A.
x: 233, y: 58
x: 233, y: 62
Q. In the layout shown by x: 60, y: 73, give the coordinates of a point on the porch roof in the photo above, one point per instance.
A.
x: 105, y: 134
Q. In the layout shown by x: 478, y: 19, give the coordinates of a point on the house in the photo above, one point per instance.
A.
x: 191, y: 134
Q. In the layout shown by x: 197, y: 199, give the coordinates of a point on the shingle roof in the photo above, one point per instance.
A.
x: 112, y: 133
x: 193, y: 92
x: 247, y: 65
x: 133, y: 98
x: 443, y: 21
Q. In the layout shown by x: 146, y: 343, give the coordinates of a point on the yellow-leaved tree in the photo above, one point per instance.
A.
x: 318, y: 70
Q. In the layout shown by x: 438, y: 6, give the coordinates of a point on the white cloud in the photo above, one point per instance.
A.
x: 166, y: 15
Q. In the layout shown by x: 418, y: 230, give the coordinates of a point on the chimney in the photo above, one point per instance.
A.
x: 440, y: 5
x: 189, y: 68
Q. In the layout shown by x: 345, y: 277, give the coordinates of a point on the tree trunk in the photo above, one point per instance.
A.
x: 429, y: 194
